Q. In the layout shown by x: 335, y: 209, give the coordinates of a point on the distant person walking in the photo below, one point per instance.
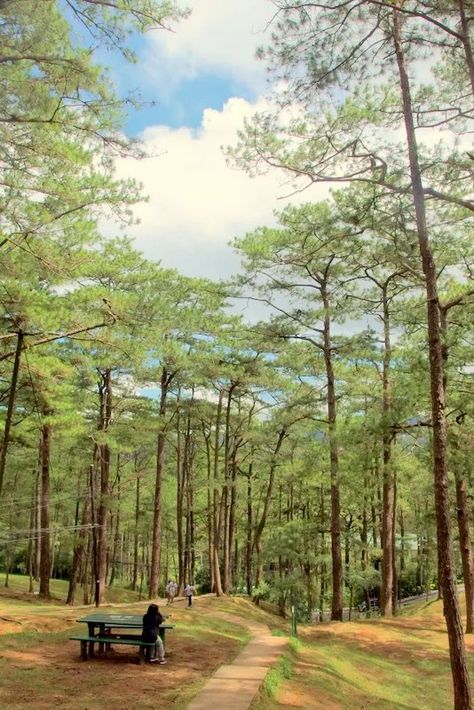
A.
x: 189, y: 590
x: 171, y: 589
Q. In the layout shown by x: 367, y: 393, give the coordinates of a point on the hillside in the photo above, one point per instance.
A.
x: 393, y: 664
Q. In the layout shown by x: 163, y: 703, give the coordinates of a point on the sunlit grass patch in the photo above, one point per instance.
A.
x: 343, y: 671
x: 244, y: 607
x: 282, y: 670
x: 196, y: 630
x: 18, y: 586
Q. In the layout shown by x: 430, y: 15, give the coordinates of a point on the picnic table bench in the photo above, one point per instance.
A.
x: 106, y: 642
x: 100, y: 631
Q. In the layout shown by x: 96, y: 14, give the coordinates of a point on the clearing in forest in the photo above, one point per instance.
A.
x: 40, y: 667
x: 392, y: 664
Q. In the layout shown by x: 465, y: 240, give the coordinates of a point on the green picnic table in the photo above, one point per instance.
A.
x: 100, y: 628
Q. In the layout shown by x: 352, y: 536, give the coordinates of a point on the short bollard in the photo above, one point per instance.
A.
x: 293, y: 622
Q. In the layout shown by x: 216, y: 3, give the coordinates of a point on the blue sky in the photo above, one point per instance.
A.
x: 186, y: 104
x: 207, y: 59
x: 204, y: 80
x: 170, y: 100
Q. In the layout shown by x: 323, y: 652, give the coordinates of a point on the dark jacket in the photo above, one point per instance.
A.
x: 151, y: 623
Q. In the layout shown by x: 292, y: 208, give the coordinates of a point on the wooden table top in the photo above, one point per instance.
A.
x: 132, y: 621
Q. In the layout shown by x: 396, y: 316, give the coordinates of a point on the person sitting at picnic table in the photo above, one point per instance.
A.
x: 171, y: 589
x: 151, y: 624
x: 189, y: 590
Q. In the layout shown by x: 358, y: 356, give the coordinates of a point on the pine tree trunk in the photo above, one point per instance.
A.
x: 187, y: 485
x: 115, y: 550
x: 216, y: 525
x: 388, y: 487
x: 322, y: 588
x: 8, y: 549
x: 248, y: 544
x: 166, y: 379
x: 180, y: 477
x: 81, y: 542
x: 402, y: 541
x: 10, y: 406
x: 465, y: 20
x: 462, y: 498
x: 364, y: 533
x: 32, y: 534
x: 210, y: 542
x: 85, y: 572
x: 462, y: 689
x: 226, y: 495
x: 37, y: 551
x: 281, y: 568
x: 373, y: 511
x: 266, y: 507
x: 233, y: 491
x: 464, y: 516
x: 336, y: 556
x: 93, y: 486
x: 394, y: 548
x: 105, y: 394
x: 187, y: 545
x: 45, y: 564
x: 135, y: 533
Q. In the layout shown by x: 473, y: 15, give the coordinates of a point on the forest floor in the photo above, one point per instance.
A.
x: 397, y: 664
x: 41, y: 668
x: 393, y: 664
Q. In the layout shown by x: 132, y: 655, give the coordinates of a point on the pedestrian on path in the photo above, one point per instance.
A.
x: 189, y: 590
x: 171, y: 589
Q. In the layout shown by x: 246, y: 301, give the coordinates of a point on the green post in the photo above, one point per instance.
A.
x: 293, y: 622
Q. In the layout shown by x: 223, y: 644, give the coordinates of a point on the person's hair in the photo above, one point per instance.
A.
x: 152, y: 610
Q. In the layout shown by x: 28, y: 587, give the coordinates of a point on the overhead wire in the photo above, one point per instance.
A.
x: 36, y: 534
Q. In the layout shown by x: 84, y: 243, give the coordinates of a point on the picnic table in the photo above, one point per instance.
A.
x: 100, y: 630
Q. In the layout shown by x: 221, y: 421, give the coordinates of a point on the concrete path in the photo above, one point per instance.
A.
x: 234, y: 686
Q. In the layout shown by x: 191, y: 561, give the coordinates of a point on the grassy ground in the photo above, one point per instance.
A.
x: 18, y: 586
x: 399, y: 664
x: 40, y: 667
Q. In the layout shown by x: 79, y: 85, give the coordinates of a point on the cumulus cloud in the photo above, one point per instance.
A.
x: 218, y: 37
x: 197, y: 203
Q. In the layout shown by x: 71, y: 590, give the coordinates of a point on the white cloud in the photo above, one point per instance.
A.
x: 197, y: 203
x: 218, y: 37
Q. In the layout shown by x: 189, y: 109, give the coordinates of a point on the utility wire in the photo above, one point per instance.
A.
x: 9, y: 542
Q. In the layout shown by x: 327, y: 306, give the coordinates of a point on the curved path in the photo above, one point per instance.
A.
x: 234, y: 686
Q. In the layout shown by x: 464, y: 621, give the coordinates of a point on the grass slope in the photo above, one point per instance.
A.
x: 18, y: 586
x: 40, y: 667
x: 393, y: 664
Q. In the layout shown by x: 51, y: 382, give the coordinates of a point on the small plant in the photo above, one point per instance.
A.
x: 261, y: 592
x: 282, y: 671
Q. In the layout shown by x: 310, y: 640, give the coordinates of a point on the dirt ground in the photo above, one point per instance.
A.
x: 43, y: 672
x: 101, y: 682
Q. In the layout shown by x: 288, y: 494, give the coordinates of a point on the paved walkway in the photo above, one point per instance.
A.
x: 234, y: 686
